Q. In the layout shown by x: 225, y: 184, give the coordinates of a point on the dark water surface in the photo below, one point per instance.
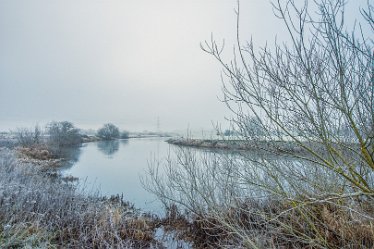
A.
x: 115, y: 167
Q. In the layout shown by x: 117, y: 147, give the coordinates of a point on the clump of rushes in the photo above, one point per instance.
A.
x: 37, y: 210
x: 275, y: 225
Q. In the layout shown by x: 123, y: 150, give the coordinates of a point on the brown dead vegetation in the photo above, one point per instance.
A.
x: 36, y: 152
x: 276, y: 225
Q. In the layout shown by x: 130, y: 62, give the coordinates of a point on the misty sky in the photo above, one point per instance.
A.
x: 121, y: 61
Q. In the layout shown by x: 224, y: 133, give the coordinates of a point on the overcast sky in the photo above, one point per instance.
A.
x: 126, y: 62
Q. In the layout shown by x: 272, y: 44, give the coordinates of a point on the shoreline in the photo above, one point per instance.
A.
x: 94, y: 138
x: 238, y: 145
x: 72, y: 210
x: 258, y: 146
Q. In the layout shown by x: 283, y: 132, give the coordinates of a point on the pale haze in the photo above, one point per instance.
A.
x: 125, y: 62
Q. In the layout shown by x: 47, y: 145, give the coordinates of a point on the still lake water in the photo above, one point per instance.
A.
x: 115, y: 167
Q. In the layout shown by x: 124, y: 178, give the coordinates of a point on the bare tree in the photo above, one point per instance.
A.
x: 62, y: 135
x: 108, y: 132
x: 311, y: 99
x: 27, y: 137
x: 317, y: 92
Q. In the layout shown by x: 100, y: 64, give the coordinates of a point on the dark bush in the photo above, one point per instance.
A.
x: 108, y: 131
x: 125, y: 134
x: 62, y: 135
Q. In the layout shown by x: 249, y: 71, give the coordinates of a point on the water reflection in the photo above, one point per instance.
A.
x: 114, y: 167
x: 71, y: 156
x: 124, y: 141
x: 109, y: 148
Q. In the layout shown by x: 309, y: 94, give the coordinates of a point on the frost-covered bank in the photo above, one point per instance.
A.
x: 38, y: 208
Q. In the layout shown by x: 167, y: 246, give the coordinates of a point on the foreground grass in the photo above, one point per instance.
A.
x: 40, y: 211
x: 276, y: 224
x: 219, y: 200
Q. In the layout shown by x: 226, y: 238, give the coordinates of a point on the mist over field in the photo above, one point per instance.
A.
x: 127, y: 62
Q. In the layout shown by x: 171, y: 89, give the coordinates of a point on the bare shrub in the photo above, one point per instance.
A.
x: 27, y: 137
x: 108, y: 132
x: 314, y: 94
x: 125, y: 134
x: 62, y: 135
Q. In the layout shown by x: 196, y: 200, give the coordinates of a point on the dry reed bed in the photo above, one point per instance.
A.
x: 277, y: 224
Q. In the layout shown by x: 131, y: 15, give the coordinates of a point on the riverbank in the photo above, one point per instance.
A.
x: 259, y: 146
x: 238, y: 145
x: 93, y: 138
x: 40, y: 208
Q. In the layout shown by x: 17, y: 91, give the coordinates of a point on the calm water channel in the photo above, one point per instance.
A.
x: 115, y: 167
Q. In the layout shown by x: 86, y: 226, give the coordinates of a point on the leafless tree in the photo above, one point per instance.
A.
x: 62, y: 135
x: 311, y: 99
x: 316, y: 91
x: 108, y: 132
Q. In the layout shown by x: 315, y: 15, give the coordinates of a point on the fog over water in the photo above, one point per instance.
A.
x: 127, y: 62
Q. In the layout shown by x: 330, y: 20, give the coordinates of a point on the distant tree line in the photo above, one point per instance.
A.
x: 60, y: 135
